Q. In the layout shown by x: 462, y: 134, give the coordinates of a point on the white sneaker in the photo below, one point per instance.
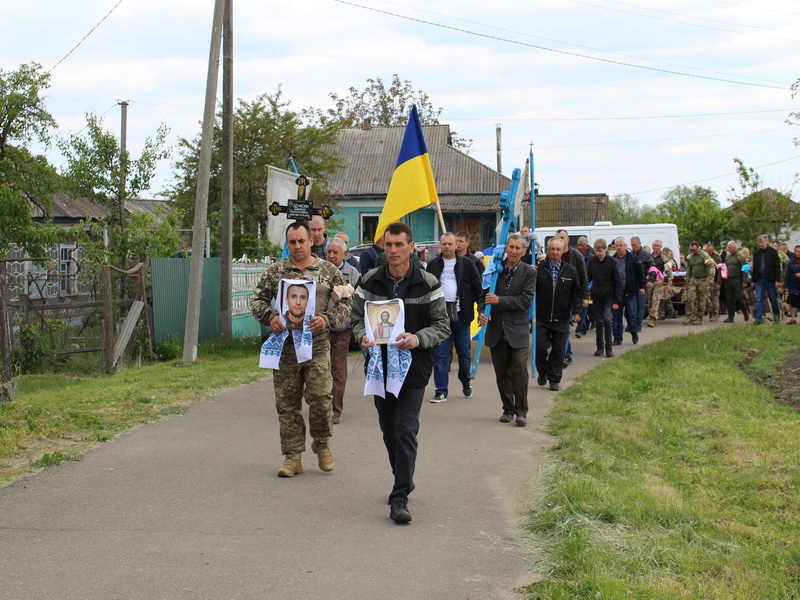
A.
x: 438, y: 398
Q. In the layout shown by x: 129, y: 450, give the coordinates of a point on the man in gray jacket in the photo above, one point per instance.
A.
x: 342, y: 334
x: 508, y: 334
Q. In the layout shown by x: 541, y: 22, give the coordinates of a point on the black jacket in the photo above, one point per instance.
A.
x: 468, y: 283
x: 367, y: 259
x: 558, y: 304
x: 772, y: 264
x: 605, y: 279
x: 634, y: 274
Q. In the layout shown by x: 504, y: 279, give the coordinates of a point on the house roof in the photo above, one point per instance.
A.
x: 73, y: 210
x: 368, y: 157
x: 553, y: 210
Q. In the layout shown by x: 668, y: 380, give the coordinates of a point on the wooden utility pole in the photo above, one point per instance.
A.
x: 226, y: 251
x: 6, y: 383
x: 192, y: 327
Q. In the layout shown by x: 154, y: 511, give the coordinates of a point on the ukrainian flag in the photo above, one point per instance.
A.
x: 412, y: 185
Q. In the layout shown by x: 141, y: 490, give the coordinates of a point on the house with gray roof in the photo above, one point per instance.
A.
x: 469, y: 191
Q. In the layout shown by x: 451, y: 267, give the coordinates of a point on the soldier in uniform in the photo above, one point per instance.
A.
x: 310, y: 379
x: 735, y: 282
x: 664, y: 264
x: 700, y: 271
x: 712, y: 304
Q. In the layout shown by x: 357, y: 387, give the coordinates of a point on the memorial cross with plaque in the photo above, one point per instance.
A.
x: 301, y: 209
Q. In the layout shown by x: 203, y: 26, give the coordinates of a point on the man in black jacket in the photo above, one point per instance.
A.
x: 766, y: 276
x: 426, y: 326
x: 462, y: 288
x: 633, y: 285
x: 606, y: 292
x: 559, y: 301
x: 368, y: 257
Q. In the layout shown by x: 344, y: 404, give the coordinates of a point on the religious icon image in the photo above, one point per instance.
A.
x: 382, y: 317
x: 298, y: 302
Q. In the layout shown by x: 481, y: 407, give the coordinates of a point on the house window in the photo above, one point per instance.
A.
x: 66, y: 269
x: 369, y: 225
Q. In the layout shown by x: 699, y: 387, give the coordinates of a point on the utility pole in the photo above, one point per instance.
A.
x: 123, y: 159
x: 226, y: 251
x: 498, y: 131
x: 192, y: 328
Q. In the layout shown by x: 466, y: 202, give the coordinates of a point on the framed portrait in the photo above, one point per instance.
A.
x: 298, y: 302
x: 384, y: 320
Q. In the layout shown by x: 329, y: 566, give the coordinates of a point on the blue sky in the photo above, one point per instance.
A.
x: 564, y: 75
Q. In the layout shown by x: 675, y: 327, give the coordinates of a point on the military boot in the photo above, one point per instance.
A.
x: 292, y: 466
x: 324, y: 454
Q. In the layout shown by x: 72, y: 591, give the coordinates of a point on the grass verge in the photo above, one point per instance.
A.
x: 57, y: 417
x: 676, y: 475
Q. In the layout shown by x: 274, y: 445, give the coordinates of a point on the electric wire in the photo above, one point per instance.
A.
x: 565, y: 52
x: 86, y: 36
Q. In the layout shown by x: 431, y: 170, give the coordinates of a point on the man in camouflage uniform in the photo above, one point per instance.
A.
x: 312, y: 379
x: 712, y: 304
x: 665, y: 264
x: 735, y: 283
x: 700, y: 271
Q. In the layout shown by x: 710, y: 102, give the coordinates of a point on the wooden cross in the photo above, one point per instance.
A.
x: 299, y: 208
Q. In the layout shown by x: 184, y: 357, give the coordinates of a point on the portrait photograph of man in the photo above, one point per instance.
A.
x: 296, y: 306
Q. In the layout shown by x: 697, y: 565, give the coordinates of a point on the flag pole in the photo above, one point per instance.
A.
x: 441, y: 216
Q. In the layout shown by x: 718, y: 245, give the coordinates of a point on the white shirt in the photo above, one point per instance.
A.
x: 448, y: 280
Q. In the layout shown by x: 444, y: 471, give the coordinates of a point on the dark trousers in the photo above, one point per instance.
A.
x: 511, y: 373
x: 340, y: 344
x: 442, y: 354
x: 734, y: 297
x: 399, y: 420
x: 603, y: 317
x: 551, y: 343
x: 628, y: 309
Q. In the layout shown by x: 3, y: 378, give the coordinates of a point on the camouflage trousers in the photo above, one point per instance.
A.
x: 655, y: 300
x: 312, y: 380
x: 696, y: 297
x: 712, y: 302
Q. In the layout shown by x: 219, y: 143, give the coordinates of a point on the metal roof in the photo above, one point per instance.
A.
x: 368, y: 157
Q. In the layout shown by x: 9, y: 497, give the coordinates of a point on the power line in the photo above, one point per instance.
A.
x: 669, y: 187
x: 538, y: 37
x: 644, y: 16
x: 561, y: 119
x: 565, y: 52
x: 86, y: 36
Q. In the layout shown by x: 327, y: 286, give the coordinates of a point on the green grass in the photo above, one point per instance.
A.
x: 675, y: 475
x: 57, y: 417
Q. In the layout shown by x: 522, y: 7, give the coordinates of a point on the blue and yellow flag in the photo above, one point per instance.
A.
x: 412, y: 185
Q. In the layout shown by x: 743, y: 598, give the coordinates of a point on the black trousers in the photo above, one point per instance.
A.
x: 511, y: 373
x: 551, y: 343
x: 603, y: 318
x: 399, y: 420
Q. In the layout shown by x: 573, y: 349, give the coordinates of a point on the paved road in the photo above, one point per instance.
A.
x: 191, y: 508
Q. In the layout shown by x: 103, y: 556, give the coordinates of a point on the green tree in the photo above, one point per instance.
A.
x: 698, y: 215
x: 382, y: 106
x: 758, y: 210
x: 265, y: 132
x: 625, y: 209
x: 25, y: 178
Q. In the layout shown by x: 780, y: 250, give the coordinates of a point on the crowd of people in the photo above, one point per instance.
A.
x: 610, y: 287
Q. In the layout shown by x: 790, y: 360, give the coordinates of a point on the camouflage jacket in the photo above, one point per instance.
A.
x: 321, y: 271
x: 700, y: 265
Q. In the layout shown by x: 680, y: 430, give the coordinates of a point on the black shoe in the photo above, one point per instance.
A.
x: 616, y: 343
x: 336, y: 419
x: 564, y: 365
x: 541, y: 380
x: 554, y: 386
x: 467, y: 389
x: 507, y: 418
x: 399, y: 512
x: 568, y: 360
x: 521, y: 421
x: 609, y: 353
x: 599, y: 352
x: 635, y: 338
x: 577, y: 335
